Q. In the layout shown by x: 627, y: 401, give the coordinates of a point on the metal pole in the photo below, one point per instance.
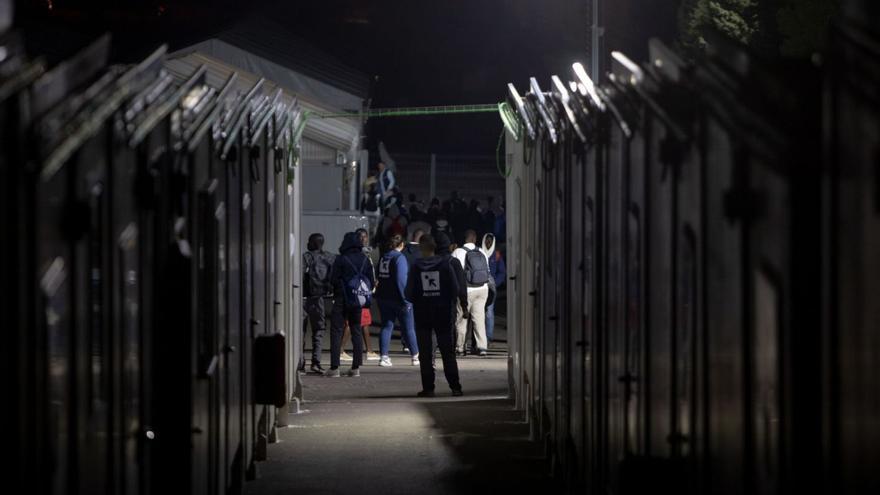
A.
x: 433, y: 185
x: 596, y: 32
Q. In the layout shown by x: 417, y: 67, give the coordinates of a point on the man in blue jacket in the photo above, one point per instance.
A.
x: 393, y: 304
x: 499, y: 273
x: 434, y: 288
x: 350, y: 267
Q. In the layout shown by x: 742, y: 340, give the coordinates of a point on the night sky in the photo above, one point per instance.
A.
x: 418, y: 52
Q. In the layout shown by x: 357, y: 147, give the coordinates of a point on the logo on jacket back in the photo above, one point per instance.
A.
x: 431, y: 283
x: 385, y: 268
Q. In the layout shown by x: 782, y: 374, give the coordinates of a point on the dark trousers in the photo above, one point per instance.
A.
x: 338, y: 317
x: 316, y: 315
x: 437, y: 321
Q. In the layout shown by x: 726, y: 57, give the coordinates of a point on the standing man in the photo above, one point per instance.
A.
x: 412, y: 251
x: 476, y: 269
x: 317, y: 265
x: 370, y: 203
x: 393, y: 304
x: 370, y: 253
x: 353, y: 282
x: 499, y: 275
x: 433, y: 289
x: 386, y: 184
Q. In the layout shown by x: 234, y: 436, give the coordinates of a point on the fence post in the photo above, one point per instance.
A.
x: 433, y: 186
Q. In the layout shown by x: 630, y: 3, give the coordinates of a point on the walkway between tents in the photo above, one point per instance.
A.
x: 372, y: 435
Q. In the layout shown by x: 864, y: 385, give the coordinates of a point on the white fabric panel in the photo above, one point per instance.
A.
x: 316, y: 152
x: 325, y: 187
x: 289, y: 79
x: 336, y: 133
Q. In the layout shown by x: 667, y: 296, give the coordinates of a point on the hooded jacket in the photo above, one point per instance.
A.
x: 432, y: 282
x: 443, y: 243
x: 496, y: 262
x: 352, y: 250
x: 393, y: 274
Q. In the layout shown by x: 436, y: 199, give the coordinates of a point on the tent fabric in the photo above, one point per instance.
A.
x: 314, y: 96
x: 284, y: 76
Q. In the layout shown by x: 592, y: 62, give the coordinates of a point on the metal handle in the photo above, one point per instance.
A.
x: 627, y: 378
x: 255, y: 167
x: 677, y: 438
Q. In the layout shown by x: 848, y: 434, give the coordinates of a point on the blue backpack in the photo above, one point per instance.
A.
x: 357, y: 291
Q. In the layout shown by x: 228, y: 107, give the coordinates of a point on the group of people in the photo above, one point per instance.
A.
x: 383, y: 203
x: 425, y: 283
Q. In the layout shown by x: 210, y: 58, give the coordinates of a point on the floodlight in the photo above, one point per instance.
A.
x: 625, y: 70
x: 586, y: 86
x: 564, y: 98
x: 525, y: 114
x: 546, y: 112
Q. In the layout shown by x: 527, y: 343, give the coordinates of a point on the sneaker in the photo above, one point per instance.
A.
x: 385, y: 362
x: 406, y: 349
x: 457, y: 393
x: 344, y: 356
x: 415, y: 360
x: 331, y: 373
x: 353, y: 372
x: 425, y: 393
x: 317, y: 368
x: 483, y: 353
x: 372, y: 356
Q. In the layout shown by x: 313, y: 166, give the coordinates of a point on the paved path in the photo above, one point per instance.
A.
x: 372, y: 435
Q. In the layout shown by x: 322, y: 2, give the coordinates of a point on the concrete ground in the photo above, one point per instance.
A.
x: 372, y: 435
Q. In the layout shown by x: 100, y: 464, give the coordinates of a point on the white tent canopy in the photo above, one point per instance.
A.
x: 222, y: 59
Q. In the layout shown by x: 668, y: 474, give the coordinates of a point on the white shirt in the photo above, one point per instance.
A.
x: 461, y: 253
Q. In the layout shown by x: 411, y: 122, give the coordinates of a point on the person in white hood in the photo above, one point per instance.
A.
x: 476, y: 268
x: 499, y: 274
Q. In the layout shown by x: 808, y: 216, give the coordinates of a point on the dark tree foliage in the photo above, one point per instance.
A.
x: 791, y: 28
x: 803, y: 26
x: 734, y: 18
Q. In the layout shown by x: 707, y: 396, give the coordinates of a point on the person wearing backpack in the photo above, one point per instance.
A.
x: 434, y: 290
x: 352, y: 280
x: 478, y: 277
x: 317, y: 265
x: 499, y: 274
x: 393, y: 304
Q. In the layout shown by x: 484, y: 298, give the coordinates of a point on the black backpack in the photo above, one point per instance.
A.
x: 476, y: 268
x: 317, y: 273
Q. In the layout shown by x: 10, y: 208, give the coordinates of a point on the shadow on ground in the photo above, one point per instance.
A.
x: 491, y: 444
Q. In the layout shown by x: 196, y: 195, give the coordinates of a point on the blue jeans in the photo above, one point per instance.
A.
x: 392, y: 312
x: 490, y: 322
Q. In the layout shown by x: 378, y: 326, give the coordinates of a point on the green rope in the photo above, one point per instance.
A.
x: 505, y: 173
x: 511, y: 120
x: 508, y: 118
x: 413, y: 111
